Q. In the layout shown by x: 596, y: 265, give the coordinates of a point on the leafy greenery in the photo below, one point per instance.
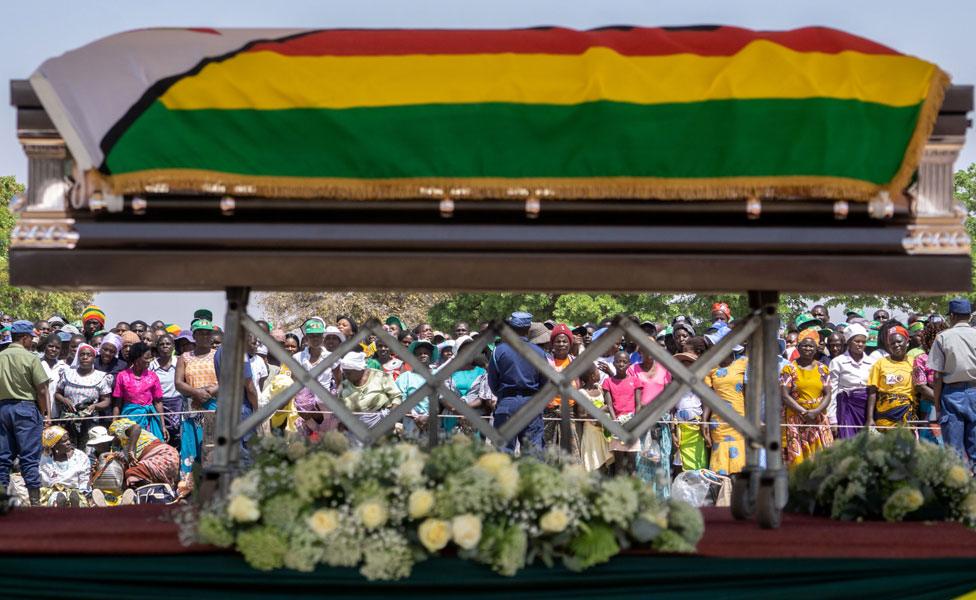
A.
x: 21, y: 302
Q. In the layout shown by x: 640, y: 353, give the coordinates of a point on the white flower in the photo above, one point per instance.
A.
x: 466, y: 530
x: 296, y: 450
x: 347, y: 462
x: 956, y: 477
x: 372, y: 514
x: 508, y: 481
x: 554, y: 521
x: 434, y: 534
x: 409, y: 452
x: 324, y: 521
x: 420, y: 503
x: 494, y: 462
x: 243, y: 509
x: 411, y: 471
x: 246, y: 485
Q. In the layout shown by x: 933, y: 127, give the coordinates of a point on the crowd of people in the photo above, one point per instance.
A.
x: 97, y: 416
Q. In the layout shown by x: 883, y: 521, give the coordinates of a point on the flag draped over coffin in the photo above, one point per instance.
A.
x: 688, y: 113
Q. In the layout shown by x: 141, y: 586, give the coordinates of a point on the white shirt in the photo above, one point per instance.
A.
x: 54, y: 408
x: 325, y: 378
x: 846, y: 375
x: 259, y: 370
x: 73, y: 473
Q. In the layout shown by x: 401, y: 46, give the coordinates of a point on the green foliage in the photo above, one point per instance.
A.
x: 25, y: 303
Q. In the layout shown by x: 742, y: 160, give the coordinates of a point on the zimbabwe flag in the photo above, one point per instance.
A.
x: 714, y: 112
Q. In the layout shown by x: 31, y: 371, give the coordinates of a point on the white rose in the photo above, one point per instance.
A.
x: 494, y: 462
x: 347, y: 461
x: 246, y: 485
x: 466, y: 530
x: 243, y: 509
x: 508, y: 481
x: 408, y: 452
x: 411, y: 471
x: 554, y: 521
x: 324, y: 521
x: 296, y: 450
x: 434, y: 534
x: 420, y: 503
x: 372, y: 514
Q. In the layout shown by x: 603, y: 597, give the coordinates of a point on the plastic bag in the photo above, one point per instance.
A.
x: 691, y: 487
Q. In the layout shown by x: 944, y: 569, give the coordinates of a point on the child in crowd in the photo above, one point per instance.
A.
x: 622, y: 394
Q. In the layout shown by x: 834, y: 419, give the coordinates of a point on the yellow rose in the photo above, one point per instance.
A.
x: 957, y: 477
x: 466, y: 530
x: 494, y: 462
x: 243, y: 509
x: 508, y: 481
x: 434, y: 534
x: 323, y: 521
x: 420, y: 503
x: 969, y: 506
x: 554, y: 521
x: 408, y: 452
x: 372, y: 514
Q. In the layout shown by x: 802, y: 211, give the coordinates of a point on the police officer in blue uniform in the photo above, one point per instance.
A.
x: 23, y: 409
x: 514, y: 381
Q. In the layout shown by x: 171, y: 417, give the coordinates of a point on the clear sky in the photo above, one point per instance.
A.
x: 936, y: 30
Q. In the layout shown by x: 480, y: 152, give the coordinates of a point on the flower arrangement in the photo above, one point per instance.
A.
x: 889, y: 476
x: 385, y: 508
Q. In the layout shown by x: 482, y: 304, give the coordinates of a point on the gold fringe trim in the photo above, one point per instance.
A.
x: 923, y: 129
x: 636, y: 188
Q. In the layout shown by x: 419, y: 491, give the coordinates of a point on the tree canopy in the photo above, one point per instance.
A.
x: 25, y: 303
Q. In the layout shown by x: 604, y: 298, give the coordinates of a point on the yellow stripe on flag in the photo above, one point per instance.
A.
x: 268, y: 81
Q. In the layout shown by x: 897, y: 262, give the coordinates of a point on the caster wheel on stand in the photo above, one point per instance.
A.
x: 743, y: 499
x: 768, y: 513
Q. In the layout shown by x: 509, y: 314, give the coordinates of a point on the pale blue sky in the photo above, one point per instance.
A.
x: 937, y: 30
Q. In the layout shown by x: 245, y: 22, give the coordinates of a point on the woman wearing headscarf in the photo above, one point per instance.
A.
x: 65, y: 470
x: 148, y: 459
x: 848, y: 380
x: 560, y: 344
x: 83, y: 392
x: 129, y: 338
x: 924, y: 378
x: 806, y: 394
x: 108, y: 356
x: 368, y: 391
x: 891, y: 389
x: 138, y: 393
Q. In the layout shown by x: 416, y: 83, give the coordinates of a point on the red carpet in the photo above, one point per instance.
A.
x: 144, y: 530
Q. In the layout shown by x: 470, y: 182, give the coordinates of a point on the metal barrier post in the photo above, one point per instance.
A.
x: 231, y: 391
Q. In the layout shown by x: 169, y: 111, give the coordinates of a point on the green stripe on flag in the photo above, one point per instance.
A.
x: 725, y: 138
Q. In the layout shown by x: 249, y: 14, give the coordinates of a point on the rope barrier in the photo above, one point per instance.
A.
x: 912, y: 425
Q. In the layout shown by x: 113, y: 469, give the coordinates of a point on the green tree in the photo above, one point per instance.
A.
x: 25, y: 303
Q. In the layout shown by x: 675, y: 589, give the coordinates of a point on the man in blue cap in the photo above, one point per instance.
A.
x: 953, y: 358
x: 23, y: 409
x: 514, y: 380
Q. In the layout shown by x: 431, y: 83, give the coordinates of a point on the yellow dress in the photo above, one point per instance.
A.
x: 801, y: 439
x: 728, y: 445
x: 896, y: 392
